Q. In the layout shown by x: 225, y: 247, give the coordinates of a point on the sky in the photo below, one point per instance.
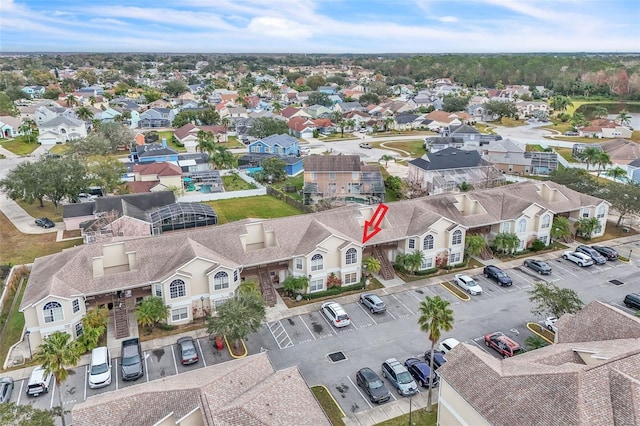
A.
x: 320, y: 26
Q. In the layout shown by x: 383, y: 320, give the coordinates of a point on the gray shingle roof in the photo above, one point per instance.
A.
x: 282, y: 140
x: 61, y: 119
x: 332, y: 163
x: 453, y: 158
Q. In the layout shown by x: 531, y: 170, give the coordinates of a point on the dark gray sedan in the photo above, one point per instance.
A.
x: 539, y: 266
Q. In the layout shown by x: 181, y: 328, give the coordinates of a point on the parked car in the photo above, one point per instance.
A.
x: 187, y: 350
x: 578, y: 258
x: 39, y: 381
x: 131, y: 359
x: 498, y: 275
x: 607, y: 252
x: 372, y: 385
x: 6, y: 388
x: 336, y: 314
x: 539, y: 266
x: 632, y: 300
x: 399, y: 377
x: 447, y: 344
x: 373, y: 302
x: 420, y: 372
x: 100, y: 368
x: 550, y: 323
x: 438, y: 359
x: 45, y: 222
x: 365, y: 145
x: 503, y: 344
x: 468, y: 284
x: 571, y: 133
x: 593, y: 254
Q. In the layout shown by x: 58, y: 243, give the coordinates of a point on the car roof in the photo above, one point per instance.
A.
x: 368, y: 373
x: 493, y: 267
x: 185, y: 339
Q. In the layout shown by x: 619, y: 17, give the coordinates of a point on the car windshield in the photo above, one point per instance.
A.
x: 376, y: 384
x: 404, y: 378
x: 132, y: 360
x: 99, y: 369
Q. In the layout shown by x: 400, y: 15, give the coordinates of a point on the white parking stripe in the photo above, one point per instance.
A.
x: 328, y: 323
x: 566, y: 270
x: 523, y: 275
x: 411, y: 292
x: 307, y: 327
x: 86, y: 374
x: 286, y: 341
x: 53, y: 392
x: 361, y: 394
x: 146, y: 365
x: 201, y: 352
x: 392, y: 316
x: 405, y: 306
x: 21, y: 389
x: 114, y: 371
x: 175, y: 363
x: 483, y: 347
x: 367, y: 313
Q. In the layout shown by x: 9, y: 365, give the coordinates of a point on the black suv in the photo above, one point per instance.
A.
x: 632, y: 300
x: 498, y: 275
x: 373, y: 385
x: 607, y: 252
x: 597, y: 257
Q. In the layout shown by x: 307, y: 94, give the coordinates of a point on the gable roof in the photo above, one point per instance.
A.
x: 450, y: 158
x: 60, y: 120
x: 282, y: 140
x: 152, y: 149
x: 332, y: 163
x: 463, y: 129
x: 161, y: 168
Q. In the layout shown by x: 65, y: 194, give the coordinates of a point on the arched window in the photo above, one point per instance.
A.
x: 317, y: 262
x: 546, y: 221
x: 522, y: 225
x: 52, y: 312
x: 457, y: 237
x: 221, y: 281
x: 428, y: 243
x: 177, y: 288
x: 352, y: 256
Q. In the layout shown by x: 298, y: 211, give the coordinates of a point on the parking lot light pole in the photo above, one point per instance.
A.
x: 410, y: 398
x: 629, y: 258
x: 203, y: 316
x: 27, y: 334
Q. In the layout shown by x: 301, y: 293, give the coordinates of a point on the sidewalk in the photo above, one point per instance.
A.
x: 22, y: 220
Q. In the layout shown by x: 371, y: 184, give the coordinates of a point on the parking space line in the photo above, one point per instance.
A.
x: 86, y: 373
x: 416, y: 297
x: 405, y: 306
x: 523, y: 275
x: 307, y: 327
x: 328, y: 323
x: 202, y: 352
x: 175, y: 363
x: 566, y: 270
x: 54, y: 392
x: 480, y: 346
x: 287, y: 339
x: 146, y: 365
x: 392, y: 316
x: 21, y: 389
x: 357, y: 388
x: 115, y: 370
x: 367, y: 313
x: 353, y: 323
x: 393, y: 396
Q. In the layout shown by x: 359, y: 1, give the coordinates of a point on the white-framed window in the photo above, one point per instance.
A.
x: 505, y: 227
x: 546, y: 221
x: 79, y: 329
x: 352, y: 256
x: 600, y: 213
x: 350, y: 278
x: 427, y: 263
x: 454, y: 258
x: 457, y: 237
x: 221, y: 281
x: 179, y: 314
x: 355, y: 176
x: 332, y: 175
x: 53, y: 312
x: 317, y: 262
x: 522, y: 225
x: 235, y: 276
x: 177, y: 288
x: 316, y: 285
x: 544, y: 239
x: 412, y: 243
x: 521, y: 245
x: 157, y: 290
x: 298, y: 263
x: 76, y: 305
x: 585, y: 213
x: 428, y: 243
x: 314, y: 175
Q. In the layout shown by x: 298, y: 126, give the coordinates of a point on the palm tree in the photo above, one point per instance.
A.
x: 151, y: 311
x: 506, y: 242
x: 276, y: 107
x: 602, y: 160
x: 28, y: 128
x: 601, y: 112
x: 249, y: 288
x: 84, y: 113
x: 222, y: 158
x: 560, y: 228
x: 586, y: 226
x: 205, y: 142
x: 92, y: 100
x: 386, y: 158
x: 435, y: 317
x: 617, y: 173
x: 371, y: 265
x: 475, y: 244
x: 560, y: 103
x: 624, y: 118
x: 410, y: 261
x: 71, y: 100
x: 590, y: 155
x: 56, y: 353
x: 342, y: 123
x: 237, y: 318
x: 388, y: 122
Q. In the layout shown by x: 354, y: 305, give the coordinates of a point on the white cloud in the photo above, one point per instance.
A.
x: 279, y: 27
x: 448, y: 19
x: 108, y: 21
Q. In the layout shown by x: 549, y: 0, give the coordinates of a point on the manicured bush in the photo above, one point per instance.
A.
x: 334, y: 291
x: 537, y: 245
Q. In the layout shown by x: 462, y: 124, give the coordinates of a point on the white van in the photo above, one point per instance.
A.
x: 39, y: 381
x: 100, y: 368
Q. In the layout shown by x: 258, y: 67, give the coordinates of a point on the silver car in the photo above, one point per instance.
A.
x: 373, y: 302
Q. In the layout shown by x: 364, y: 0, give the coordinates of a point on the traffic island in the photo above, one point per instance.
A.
x: 329, y: 405
x: 456, y: 291
x: 542, y: 332
x: 236, y: 352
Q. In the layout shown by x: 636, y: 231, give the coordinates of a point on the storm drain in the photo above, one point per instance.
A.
x: 337, y: 356
x: 616, y: 282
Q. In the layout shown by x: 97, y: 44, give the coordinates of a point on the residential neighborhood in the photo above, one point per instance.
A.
x: 278, y: 233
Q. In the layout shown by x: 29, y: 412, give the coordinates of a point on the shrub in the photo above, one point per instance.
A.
x: 334, y: 291
x: 427, y: 271
x: 537, y: 245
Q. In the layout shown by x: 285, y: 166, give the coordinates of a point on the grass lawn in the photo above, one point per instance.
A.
x: 635, y: 136
x: 566, y: 154
x: 235, y: 183
x: 168, y: 134
x: 484, y: 128
x: 259, y: 207
x: 510, y: 122
x: 19, y: 147
x: 18, y: 248
x: 329, y: 405
x: 534, y: 148
x: 233, y: 142
x: 418, y: 417
x: 47, y: 211
x: 414, y: 147
x: 610, y: 232
x: 559, y: 126
x: 59, y: 149
x: 15, y: 321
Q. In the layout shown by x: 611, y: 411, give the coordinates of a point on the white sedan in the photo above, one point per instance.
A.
x: 468, y: 284
x: 550, y: 323
x: 578, y: 258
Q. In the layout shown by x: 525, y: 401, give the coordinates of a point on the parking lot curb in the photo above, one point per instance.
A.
x: 446, y: 285
x: 332, y: 398
x: 534, y: 331
x: 234, y: 356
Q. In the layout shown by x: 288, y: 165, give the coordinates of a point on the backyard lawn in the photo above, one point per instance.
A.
x: 264, y: 206
x: 414, y: 147
x: 168, y: 134
x: 48, y: 210
x: 19, y: 147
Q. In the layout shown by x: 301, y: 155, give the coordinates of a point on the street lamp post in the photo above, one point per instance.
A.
x: 410, y: 406
x: 27, y: 334
x: 203, y: 316
x: 629, y: 258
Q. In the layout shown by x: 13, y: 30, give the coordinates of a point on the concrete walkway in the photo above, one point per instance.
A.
x: 24, y: 222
